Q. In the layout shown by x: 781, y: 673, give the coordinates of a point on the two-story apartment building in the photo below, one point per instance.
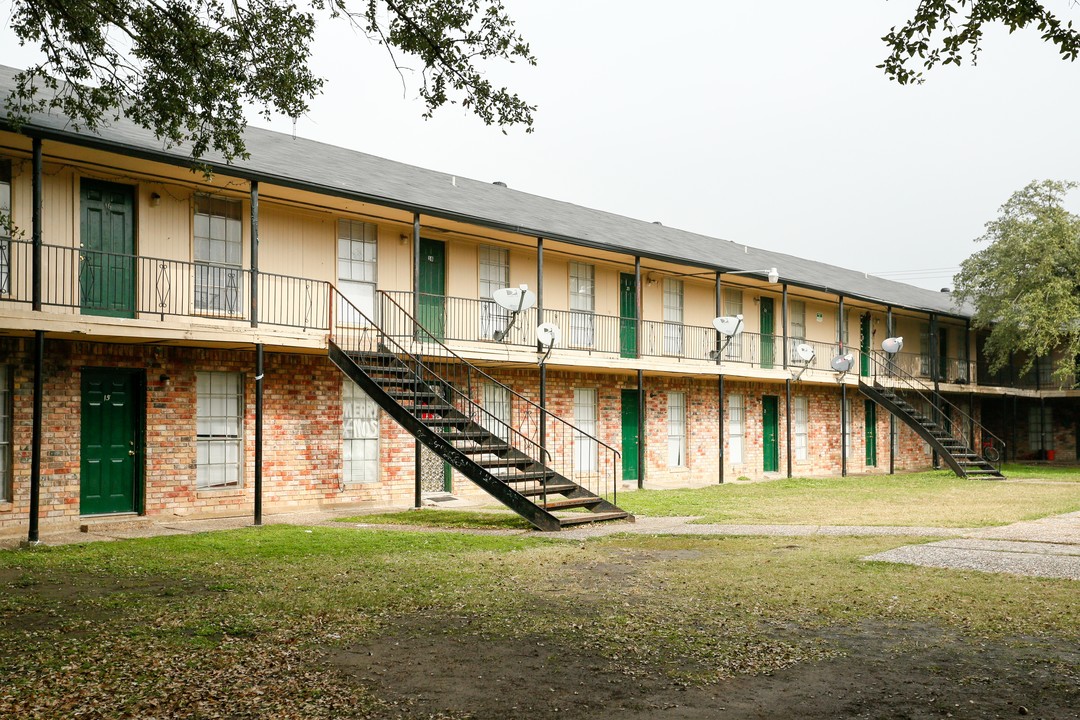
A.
x: 167, y: 342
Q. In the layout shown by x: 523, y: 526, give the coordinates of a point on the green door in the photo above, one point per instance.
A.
x: 107, y: 251
x: 110, y: 441
x: 433, y: 287
x: 768, y: 344
x: 871, y: 433
x: 770, y: 431
x: 627, y: 321
x: 864, y: 345
x: 631, y: 422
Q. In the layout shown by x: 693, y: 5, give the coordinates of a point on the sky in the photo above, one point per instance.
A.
x: 762, y: 123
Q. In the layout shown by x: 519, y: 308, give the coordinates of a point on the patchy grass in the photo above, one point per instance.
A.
x: 1042, y: 471
x: 931, y: 499
x: 245, y: 623
x: 445, y: 519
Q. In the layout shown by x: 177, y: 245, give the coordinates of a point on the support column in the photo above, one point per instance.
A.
x: 638, y: 304
x: 843, y: 392
x: 934, y: 374
x: 35, y: 438
x: 418, y: 449
x: 889, y: 332
x: 255, y: 256
x: 416, y: 312
x: 36, y: 194
x: 258, y: 430
x: 642, y: 421
x: 720, y: 415
x: 539, y: 348
x: 787, y: 400
x: 787, y: 383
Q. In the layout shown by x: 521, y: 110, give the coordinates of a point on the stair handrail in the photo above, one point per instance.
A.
x: 414, y: 325
x: 885, y: 367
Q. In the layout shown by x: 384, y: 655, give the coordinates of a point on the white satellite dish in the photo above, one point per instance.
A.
x: 514, y: 299
x: 548, y: 335
x: 892, y: 345
x: 842, y: 363
x: 728, y: 326
x: 805, y: 352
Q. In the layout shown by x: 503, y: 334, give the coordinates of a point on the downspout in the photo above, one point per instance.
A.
x: 254, y: 253
x: 259, y: 433
x: 39, y: 352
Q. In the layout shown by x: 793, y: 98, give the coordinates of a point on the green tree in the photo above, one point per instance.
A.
x: 185, y: 68
x: 1025, y: 285
x: 944, y: 32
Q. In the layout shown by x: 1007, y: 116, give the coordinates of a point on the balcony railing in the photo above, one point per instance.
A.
x: 119, y: 285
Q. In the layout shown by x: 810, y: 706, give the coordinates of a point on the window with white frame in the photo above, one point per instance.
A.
x: 924, y: 349
x: 736, y: 409
x: 796, y: 325
x: 6, y: 431
x: 1040, y: 428
x: 582, y: 304
x: 586, y: 448
x: 496, y: 401
x: 5, y: 226
x: 219, y: 420
x: 218, y: 255
x: 494, y: 275
x: 358, y: 275
x: 843, y: 331
x: 676, y: 437
x: 733, y: 305
x: 673, y: 316
x: 848, y: 425
x: 360, y: 435
x: 802, y: 427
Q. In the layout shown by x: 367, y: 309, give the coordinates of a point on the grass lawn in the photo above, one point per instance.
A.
x: 475, y: 520
x: 291, y: 622
x: 932, y: 499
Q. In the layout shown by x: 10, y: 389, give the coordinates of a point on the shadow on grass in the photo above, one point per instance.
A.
x: 445, y: 519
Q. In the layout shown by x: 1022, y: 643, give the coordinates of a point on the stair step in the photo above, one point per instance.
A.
x: 581, y: 518
x: 505, y: 462
x: 447, y: 421
x: 551, y: 489
x: 484, y: 448
x: 462, y: 435
x: 570, y: 503
x: 532, y: 476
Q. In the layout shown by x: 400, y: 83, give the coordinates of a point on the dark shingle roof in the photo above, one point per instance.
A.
x: 280, y: 159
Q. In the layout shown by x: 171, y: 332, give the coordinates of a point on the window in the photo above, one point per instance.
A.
x: 496, y: 401
x: 219, y: 419
x: 1040, y: 428
x: 733, y: 305
x: 848, y: 424
x: 360, y: 435
x: 6, y: 431
x: 796, y: 326
x: 582, y: 304
x: 924, y: 349
x: 5, y: 227
x: 842, y: 333
x: 357, y: 250
x: 673, y: 316
x: 676, y: 437
x: 494, y: 275
x: 802, y: 427
x: 736, y: 428
x: 585, y: 445
x: 217, y: 255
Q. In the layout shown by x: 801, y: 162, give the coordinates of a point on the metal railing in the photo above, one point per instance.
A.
x: 115, y: 284
x: 532, y: 430
x: 953, y: 369
x: 888, y: 373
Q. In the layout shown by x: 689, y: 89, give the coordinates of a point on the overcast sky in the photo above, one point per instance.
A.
x: 762, y: 123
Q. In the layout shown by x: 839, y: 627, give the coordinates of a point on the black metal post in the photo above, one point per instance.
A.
x: 418, y: 468
x: 37, y: 195
x: 843, y: 392
x: 788, y: 418
x: 934, y: 372
x: 255, y: 257
x: 35, y: 438
x: 719, y: 312
x: 543, y: 413
x: 258, y: 432
x: 539, y: 286
x: 971, y: 423
x: 639, y: 340
x: 642, y: 415
x: 720, y: 419
x: 784, y: 322
x: 416, y: 308
x: 889, y: 332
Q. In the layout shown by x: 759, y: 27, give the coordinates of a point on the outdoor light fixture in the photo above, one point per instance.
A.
x: 771, y: 273
x: 155, y: 199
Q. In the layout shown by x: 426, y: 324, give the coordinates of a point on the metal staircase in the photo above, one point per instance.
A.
x: 532, y: 461
x: 897, y: 391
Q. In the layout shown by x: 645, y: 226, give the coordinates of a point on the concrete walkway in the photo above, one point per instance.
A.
x: 1049, y: 547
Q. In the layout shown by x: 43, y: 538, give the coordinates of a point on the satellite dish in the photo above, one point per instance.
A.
x: 728, y: 326
x: 842, y: 363
x: 514, y: 299
x: 548, y: 334
x: 805, y: 352
x: 892, y: 345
